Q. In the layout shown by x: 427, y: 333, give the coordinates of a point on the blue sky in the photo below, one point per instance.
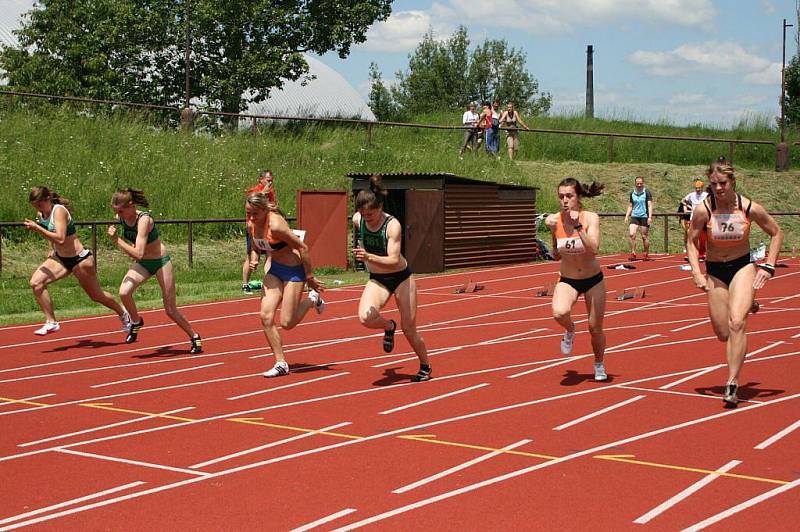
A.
x: 685, y: 61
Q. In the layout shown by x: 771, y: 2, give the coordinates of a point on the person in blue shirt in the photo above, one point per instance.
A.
x: 639, y: 216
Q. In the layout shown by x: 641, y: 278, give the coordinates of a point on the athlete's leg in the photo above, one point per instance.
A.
x: 48, y: 272
x: 406, y: 297
x: 166, y: 279
x: 86, y: 273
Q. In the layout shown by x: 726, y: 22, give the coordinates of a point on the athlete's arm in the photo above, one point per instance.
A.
x: 768, y: 224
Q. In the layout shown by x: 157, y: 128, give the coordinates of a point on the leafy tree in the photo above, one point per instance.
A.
x: 380, y: 98
x: 791, y: 79
x: 134, y: 49
x: 444, y: 74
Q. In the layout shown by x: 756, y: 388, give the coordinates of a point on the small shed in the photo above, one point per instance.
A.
x: 451, y: 221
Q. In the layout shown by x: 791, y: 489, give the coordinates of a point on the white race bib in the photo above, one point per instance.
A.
x: 728, y: 227
x: 571, y: 245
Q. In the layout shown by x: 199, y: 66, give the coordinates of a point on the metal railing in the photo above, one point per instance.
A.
x: 368, y: 124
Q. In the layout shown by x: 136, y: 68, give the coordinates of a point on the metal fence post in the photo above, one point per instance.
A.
x: 191, y: 238
x: 666, y: 233
x: 610, y: 148
x: 1, y: 250
x: 730, y: 152
x: 369, y: 135
x: 94, y: 242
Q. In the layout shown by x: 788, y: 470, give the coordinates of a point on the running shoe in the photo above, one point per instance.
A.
x: 319, y: 304
x: 133, y: 331
x: 566, y: 342
x: 646, y: 256
x: 246, y: 288
x: 729, y: 398
x: 197, y: 345
x: 755, y: 307
x: 633, y: 256
x: 278, y: 370
x: 126, y: 321
x: 47, y: 328
x: 388, y: 337
x: 424, y: 374
x: 600, y: 372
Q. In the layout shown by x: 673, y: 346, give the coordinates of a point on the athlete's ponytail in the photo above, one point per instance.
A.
x: 129, y: 195
x: 374, y: 197
x: 44, y: 193
x: 581, y: 190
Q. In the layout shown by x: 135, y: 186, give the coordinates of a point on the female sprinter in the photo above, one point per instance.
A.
x: 731, y: 278
x: 379, y: 237
x: 290, y: 270
x: 145, y: 247
x: 67, y: 255
x: 576, y: 240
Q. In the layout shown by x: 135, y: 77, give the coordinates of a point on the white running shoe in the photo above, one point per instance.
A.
x: 48, y: 327
x: 278, y: 370
x: 566, y: 342
x: 126, y: 321
x: 319, y: 304
x: 600, y: 372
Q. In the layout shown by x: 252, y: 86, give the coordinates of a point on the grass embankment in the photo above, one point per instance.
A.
x: 203, y: 176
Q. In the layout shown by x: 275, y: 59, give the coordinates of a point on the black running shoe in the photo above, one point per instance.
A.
x: 729, y: 398
x: 133, y: 331
x: 197, y: 345
x: 424, y: 374
x: 388, y: 337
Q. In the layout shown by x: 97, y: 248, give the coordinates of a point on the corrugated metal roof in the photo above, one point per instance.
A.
x: 448, y: 178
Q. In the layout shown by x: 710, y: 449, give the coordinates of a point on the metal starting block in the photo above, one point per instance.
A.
x: 546, y: 290
x: 469, y: 287
x: 638, y: 292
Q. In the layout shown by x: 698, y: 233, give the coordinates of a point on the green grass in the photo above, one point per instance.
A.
x: 86, y: 156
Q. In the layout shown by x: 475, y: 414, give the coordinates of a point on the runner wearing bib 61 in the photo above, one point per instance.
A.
x: 731, y: 278
x: 576, y: 240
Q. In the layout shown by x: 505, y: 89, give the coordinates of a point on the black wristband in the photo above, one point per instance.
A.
x: 769, y: 268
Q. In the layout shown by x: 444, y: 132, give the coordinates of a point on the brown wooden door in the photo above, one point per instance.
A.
x: 424, y: 230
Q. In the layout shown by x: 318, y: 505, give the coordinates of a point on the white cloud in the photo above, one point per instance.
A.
x: 768, y: 76
x: 710, y: 59
x: 402, y: 31
x: 554, y: 16
x: 769, y: 9
x: 683, y: 98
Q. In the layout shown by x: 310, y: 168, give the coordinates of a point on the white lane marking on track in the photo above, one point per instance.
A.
x: 549, y: 463
x: 599, y: 412
x: 685, y: 394
x: 742, y: 506
x: 103, y: 427
x: 678, y: 497
x: 18, y: 401
x: 132, y: 462
x: 154, y: 375
x: 435, y: 398
x: 269, y: 445
x: 784, y: 299
x: 323, y: 520
x: 777, y: 436
x: 765, y: 348
x: 292, y: 385
x: 701, y: 322
x: 70, y: 502
x: 460, y: 467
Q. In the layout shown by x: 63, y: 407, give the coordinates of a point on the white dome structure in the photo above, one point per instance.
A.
x: 10, y: 13
x: 328, y: 95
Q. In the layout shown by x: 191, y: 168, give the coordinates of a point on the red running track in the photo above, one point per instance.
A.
x: 509, y: 434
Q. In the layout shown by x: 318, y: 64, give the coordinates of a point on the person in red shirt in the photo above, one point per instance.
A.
x: 264, y: 185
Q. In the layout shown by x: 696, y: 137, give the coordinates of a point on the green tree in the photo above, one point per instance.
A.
x: 444, y: 74
x: 380, y: 98
x: 791, y: 79
x: 134, y: 49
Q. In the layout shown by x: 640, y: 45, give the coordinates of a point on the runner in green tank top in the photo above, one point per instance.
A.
x: 379, y: 236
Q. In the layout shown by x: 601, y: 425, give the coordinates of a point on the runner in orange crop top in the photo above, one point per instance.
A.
x: 576, y: 240
x: 731, y: 277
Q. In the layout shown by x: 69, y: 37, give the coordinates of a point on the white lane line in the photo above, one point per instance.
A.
x: 763, y: 331
x: 151, y: 376
x: 549, y: 463
x: 685, y: 394
x: 460, y: 467
x: 19, y: 401
x: 599, y: 412
x: 324, y: 520
x: 678, y: 497
x: 103, y: 427
x: 765, y: 348
x: 132, y: 462
x: 269, y: 445
x: 692, y: 376
x: 626, y: 344
x: 435, y: 398
x: 772, y: 439
x: 784, y: 299
x: 695, y: 324
x: 292, y: 385
x: 69, y: 502
x: 743, y: 506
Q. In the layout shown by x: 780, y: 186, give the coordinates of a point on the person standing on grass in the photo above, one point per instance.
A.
x: 511, y: 121
x: 640, y: 216
x: 731, y: 277
x: 265, y: 184
x: 576, y: 241
x: 142, y: 243
x: 289, y: 271
x: 472, y: 132
x: 379, y: 243
x: 67, y: 255
x: 692, y: 200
